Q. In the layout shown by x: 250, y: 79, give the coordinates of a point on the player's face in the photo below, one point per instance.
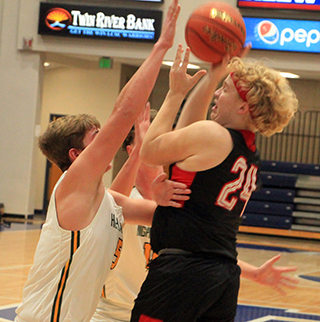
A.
x: 227, y: 100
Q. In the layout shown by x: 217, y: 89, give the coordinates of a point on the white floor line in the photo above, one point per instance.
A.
x: 14, y: 267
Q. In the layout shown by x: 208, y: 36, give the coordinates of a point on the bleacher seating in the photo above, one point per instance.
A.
x: 289, y: 198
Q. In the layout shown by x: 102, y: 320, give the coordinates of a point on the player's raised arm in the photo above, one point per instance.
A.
x: 128, y: 106
x: 82, y: 189
x: 161, y: 145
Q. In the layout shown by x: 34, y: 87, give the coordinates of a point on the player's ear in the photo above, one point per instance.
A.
x: 74, y: 153
x: 244, y: 108
x: 129, y: 148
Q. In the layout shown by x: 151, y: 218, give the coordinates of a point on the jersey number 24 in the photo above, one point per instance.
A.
x: 246, y: 183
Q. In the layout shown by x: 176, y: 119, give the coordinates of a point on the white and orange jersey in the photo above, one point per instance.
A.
x: 123, y: 283
x: 70, y: 267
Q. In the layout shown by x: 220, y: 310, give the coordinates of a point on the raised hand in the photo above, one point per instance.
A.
x: 169, y: 25
x: 220, y: 70
x: 245, y: 50
x: 141, y: 126
x: 180, y: 81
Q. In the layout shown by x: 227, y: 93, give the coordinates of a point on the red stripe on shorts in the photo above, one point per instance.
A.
x: 144, y: 318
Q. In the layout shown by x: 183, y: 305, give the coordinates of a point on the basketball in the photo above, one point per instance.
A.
x: 215, y: 29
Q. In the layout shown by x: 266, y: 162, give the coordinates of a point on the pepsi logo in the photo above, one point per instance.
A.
x: 58, y: 19
x: 268, y: 32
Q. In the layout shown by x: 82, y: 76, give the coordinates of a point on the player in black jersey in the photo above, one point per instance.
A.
x: 196, y: 276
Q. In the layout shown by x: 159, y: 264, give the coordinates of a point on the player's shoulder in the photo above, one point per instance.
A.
x: 211, y: 129
x: 212, y: 143
x: 213, y: 133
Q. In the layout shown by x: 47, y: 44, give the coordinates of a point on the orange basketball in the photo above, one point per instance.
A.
x: 215, y: 29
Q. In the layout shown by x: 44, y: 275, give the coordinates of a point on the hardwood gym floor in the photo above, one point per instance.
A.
x: 256, y: 303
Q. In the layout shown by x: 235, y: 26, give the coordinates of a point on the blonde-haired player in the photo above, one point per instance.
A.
x: 196, y: 276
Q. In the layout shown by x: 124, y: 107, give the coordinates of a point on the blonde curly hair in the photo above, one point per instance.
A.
x: 271, y: 100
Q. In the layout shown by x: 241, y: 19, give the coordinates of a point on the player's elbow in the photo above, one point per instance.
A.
x: 148, y: 154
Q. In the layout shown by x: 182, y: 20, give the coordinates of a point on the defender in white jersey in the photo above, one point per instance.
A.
x: 58, y: 281
x: 123, y: 283
x: 61, y: 261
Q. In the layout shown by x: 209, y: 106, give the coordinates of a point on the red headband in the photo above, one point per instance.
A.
x: 242, y: 92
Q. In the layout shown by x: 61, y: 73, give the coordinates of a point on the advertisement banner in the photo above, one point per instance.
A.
x: 99, y: 22
x: 283, y: 34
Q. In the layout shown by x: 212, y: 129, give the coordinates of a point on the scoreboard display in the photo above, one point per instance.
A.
x: 306, y: 5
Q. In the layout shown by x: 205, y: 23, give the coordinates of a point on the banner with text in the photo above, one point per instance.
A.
x: 283, y: 34
x: 99, y: 22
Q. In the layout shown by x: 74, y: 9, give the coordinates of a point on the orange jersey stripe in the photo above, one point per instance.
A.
x: 75, y: 243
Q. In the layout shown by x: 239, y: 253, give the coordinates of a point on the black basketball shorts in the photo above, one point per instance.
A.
x: 188, y: 288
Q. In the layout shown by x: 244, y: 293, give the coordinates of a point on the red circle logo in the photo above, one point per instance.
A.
x: 58, y: 19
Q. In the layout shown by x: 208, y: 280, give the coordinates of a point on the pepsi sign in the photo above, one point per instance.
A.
x: 99, y: 22
x: 281, y: 4
x: 283, y: 34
